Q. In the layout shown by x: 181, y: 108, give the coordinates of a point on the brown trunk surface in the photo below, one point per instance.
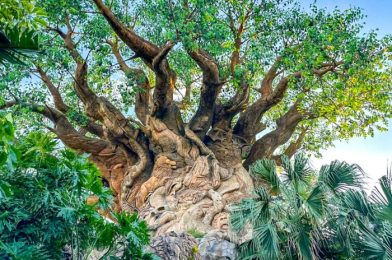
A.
x: 187, y: 186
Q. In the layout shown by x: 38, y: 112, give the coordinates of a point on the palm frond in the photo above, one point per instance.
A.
x: 375, y: 245
x: 304, y: 245
x: 357, y: 201
x: 253, y: 210
x: 340, y: 176
x: 316, y: 202
x: 382, y: 196
x: 267, y: 241
x: 266, y: 170
x: 16, y: 44
x: 299, y: 172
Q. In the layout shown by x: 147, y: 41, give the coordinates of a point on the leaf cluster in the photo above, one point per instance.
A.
x: 44, y: 212
x: 297, y: 213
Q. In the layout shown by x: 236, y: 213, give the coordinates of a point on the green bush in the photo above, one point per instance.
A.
x: 43, y: 209
x: 301, y: 214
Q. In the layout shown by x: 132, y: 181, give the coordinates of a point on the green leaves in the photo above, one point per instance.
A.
x: 316, y: 203
x: 43, y: 206
x: 340, y: 176
x: 299, y: 172
x: 8, y: 153
x: 266, y: 170
x: 266, y: 235
x: 382, y: 196
x: 311, y: 216
x: 18, y: 23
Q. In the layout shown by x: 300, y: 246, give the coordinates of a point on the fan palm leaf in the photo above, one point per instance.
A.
x: 340, y: 176
x: 382, y: 197
x: 15, y: 44
x: 266, y: 171
x: 316, y: 203
x: 299, y: 172
x: 357, y: 201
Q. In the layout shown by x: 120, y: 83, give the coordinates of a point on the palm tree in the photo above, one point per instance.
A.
x: 19, y: 22
x: 299, y: 214
x: 16, y: 43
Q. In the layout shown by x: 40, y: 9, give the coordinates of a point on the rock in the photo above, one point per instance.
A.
x: 214, y: 247
x: 175, y: 246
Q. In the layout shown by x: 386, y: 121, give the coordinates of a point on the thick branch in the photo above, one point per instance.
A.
x: 266, y: 145
x: 165, y: 77
x: 293, y: 147
x: 224, y: 113
x: 143, y: 48
x: 143, y: 100
x: 57, y: 99
x: 249, y: 125
x: 64, y: 129
x: 8, y: 104
x: 164, y: 87
x: 296, y: 145
x: 201, y: 121
x: 61, y: 106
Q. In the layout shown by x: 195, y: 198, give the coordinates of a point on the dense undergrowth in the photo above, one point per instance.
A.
x: 43, y: 208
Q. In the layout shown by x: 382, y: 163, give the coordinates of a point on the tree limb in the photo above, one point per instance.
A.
x: 57, y: 99
x: 143, y: 101
x: 249, y: 125
x: 165, y: 77
x: 64, y: 129
x: 143, y: 48
x: 266, y: 145
x: 201, y: 121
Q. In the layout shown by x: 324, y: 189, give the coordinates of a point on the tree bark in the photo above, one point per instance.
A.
x: 266, y: 145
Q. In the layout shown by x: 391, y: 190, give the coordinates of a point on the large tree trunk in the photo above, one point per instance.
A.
x: 186, y: 186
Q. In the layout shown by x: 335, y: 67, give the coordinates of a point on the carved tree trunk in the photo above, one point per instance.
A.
x: 187, y: 185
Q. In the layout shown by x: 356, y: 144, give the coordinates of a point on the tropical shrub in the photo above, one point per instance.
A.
x: 43, y: 209
x: 301, y: 214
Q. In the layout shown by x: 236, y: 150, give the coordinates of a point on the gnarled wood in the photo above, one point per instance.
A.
x: 266, y: 145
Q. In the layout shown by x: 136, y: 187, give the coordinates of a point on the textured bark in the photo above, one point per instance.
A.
x: 173, y: 246
x: 266, y: 145
x: 212, y: 85
x: 143, y: 102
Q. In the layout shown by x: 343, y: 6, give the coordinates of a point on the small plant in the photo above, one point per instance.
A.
x: 195, y: 233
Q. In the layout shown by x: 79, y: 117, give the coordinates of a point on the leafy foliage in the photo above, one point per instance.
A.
x: 311, y: 216
x: 19, y: 21
x: 351, y: 100
x: 43, y: 203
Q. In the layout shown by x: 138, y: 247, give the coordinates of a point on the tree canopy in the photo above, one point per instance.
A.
x: 18, y: 23
x: 243, y: 65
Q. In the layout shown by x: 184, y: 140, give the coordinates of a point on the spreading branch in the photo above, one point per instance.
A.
x: 165, y: 77
x: 64, y: 129
x: 201, y: 121
x: 249, y: 125
x: 266, y: 145
x: 143, y: 48
x: 57, y: 99
x: 143, y: 101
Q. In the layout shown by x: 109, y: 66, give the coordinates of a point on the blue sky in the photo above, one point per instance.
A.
x: 372, y: 154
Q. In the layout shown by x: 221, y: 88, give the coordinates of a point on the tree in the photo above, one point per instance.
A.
x: 173, y: 100
x: 299, y: 214
x: 48, y: 204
